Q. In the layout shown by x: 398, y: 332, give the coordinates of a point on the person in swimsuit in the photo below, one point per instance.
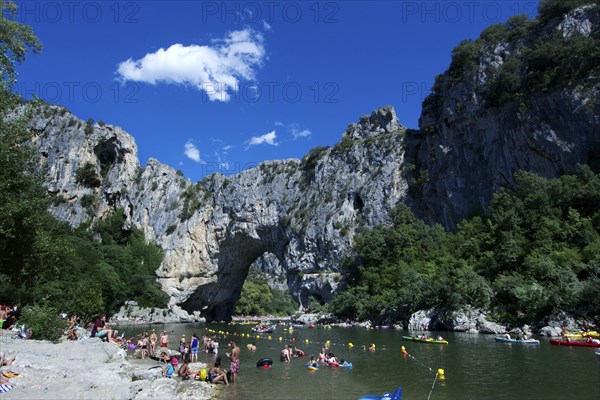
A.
x: 153, y: 339
x: 234, y: 357
x: 144, y: 346
x: 216, y: 374
x: 164, y: 339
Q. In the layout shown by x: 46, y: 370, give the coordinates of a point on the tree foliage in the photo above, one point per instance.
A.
x: 16, y: 40
x: 257, y: 298
x: 536, y: 252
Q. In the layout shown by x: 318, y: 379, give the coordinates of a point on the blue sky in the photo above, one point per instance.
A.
x: 214, y: 86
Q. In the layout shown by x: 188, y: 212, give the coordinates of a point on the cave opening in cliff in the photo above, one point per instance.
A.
x: 107, y: 153
x: 358, y: 202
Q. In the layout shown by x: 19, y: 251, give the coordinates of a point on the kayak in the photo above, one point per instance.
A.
x: 579, y: 335
x: 397, y: 395
x: 557, y: 342
x: 428, y: 340
x: 525, y: 341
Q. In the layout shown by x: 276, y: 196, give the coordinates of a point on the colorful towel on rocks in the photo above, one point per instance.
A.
x: 6, y: 388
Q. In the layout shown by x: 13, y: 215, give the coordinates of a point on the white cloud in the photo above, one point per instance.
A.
x: 214, y: 69
x: 297, y: 133
x: 192, y: 152
x: 268, y: 138
x: 294, y: 130
x: 227, y: 148
x: 266, y: 26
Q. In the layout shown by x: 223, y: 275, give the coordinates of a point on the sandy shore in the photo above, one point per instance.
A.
x: 91, y: 369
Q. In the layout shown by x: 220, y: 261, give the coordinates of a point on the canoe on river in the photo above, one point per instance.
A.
x: 557, y: 342
x: 524, y: 341
x: 580, y: 335
x: 428, y: 340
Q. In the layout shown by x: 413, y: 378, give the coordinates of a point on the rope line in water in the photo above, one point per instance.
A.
x: 298, y: 339
x: 414, y: 358
x: 432, y: 386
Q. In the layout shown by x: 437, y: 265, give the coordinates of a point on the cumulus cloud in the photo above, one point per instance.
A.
x: 192, y: 152
x: 214, y: 69
x: 267, y: 138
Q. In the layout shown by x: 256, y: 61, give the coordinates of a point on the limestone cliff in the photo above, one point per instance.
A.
x: 524, y: 96
x: 295, y: 219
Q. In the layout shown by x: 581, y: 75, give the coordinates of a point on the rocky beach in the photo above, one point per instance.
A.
x: 91, y: 369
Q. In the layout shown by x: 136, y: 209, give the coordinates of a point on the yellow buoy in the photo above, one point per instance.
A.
x: 280, y: 338
x: 306, y: 341
x: 269, y: 337
x: 440, y: 373
x: 350, y: 344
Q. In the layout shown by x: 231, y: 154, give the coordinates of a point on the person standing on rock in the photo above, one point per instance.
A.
x: 164, y: 340
x: 153, y: 339
x: 234, y: 357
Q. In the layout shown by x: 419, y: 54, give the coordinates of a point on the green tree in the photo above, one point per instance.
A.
x: 16, y: 40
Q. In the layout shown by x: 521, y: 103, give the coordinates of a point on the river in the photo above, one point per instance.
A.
x: 475, y: 366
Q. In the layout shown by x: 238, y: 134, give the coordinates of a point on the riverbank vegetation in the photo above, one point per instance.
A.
x: 92, y: 269
x: 536, y: 251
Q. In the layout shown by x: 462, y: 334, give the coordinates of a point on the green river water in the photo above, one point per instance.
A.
x: 476, y: 367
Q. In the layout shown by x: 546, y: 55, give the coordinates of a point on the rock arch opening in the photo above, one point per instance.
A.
x: 237, y: 253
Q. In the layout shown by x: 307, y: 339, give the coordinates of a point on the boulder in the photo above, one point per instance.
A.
x: 550, y: 331
x: 148, y: 374
x: 420, y: 321
x: 469, y: 319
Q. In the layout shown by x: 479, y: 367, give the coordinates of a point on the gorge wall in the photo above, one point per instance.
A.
x: 295, y: 219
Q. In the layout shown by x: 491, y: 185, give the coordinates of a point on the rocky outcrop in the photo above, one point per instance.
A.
x: 477, y: 131
x: 131, y: 313
x: 293, y: 219
x: 466, y: 320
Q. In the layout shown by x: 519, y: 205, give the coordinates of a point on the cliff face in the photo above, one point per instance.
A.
x: 504, y: 112
x: 296, y: 219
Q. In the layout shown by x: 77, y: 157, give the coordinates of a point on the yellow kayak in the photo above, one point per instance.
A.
x: 579, y: 335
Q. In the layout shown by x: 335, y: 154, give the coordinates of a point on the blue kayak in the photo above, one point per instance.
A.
x: 524, y: 341
x: 397, y: 395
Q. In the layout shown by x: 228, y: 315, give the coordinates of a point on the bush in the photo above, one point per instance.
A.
x: 89, y: 127
x: 44, y: 322
x: 87, y: 176
x: 548, y: 9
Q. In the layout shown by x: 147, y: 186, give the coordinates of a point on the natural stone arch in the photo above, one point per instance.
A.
x: 237, y: 252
